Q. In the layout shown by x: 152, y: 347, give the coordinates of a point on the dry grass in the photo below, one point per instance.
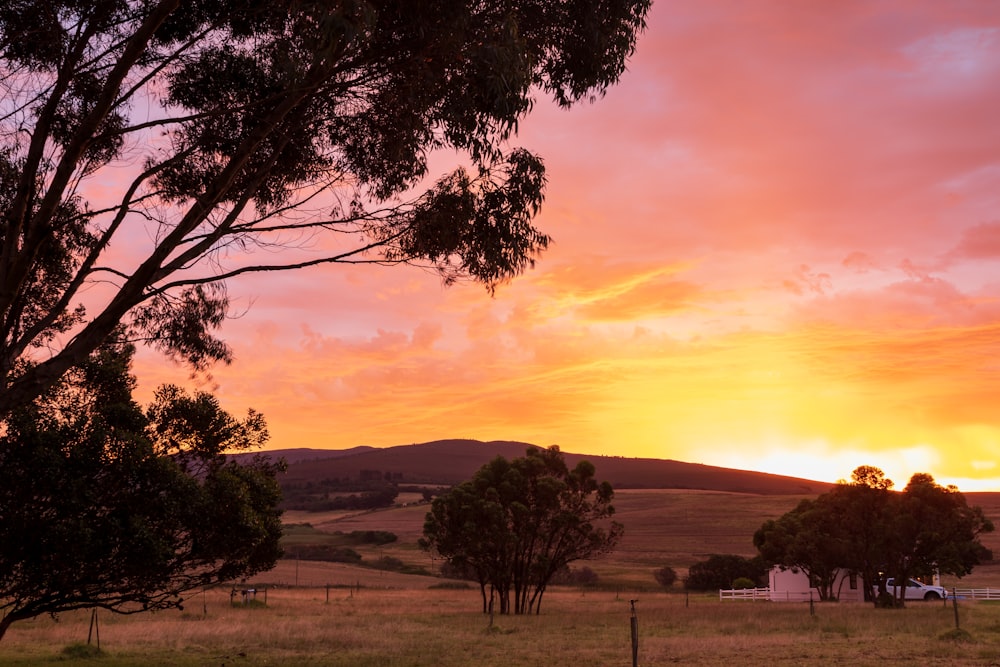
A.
x: 396, y: 620
x: 435, y: 628
x: 662, y: 527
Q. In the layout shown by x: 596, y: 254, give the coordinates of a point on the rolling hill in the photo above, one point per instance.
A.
x: 448, y: 462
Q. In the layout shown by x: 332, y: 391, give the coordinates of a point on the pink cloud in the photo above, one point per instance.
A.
x: 779, y: 202
x: 981, y: 241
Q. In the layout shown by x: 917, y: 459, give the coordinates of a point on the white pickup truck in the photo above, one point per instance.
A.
x: 917, y: 591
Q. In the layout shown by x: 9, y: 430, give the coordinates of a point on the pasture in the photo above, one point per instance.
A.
x: 441, y: 628
x: 320, y: 613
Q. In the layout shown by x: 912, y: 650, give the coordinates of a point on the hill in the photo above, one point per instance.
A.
x: 448, y: 462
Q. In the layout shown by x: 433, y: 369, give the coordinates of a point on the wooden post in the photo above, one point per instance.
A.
x: 635, y: 634
x: 328, y: 593
x: 94, y: 628
x: 954, y: 605
x: 812, y: 609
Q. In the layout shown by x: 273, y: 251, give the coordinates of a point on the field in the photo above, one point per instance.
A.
x: 319, y: 613
x: 440, y: 628
x: 662, y: 527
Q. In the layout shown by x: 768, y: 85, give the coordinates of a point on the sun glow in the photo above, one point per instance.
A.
x: 771, y: 253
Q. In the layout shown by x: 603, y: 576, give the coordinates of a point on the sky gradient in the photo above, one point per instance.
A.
x: 777, y: 248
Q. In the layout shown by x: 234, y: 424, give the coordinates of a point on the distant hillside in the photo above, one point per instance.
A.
x: 448, y: 462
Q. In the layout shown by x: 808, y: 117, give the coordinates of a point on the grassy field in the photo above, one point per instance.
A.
x: 663, y: 527
x: 373, y: 617
x: 442, y: 628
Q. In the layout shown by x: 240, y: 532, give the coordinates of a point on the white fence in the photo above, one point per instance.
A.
x: 745, y: 594
x: 977, y: 593
x: 766, y: 595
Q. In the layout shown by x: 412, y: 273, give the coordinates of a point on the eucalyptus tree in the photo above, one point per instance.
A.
x: 865, y: 527
x: 810, y: 538
x: 264, y: 135
x: 105, y: 505
x: 517, y: 523
x: 932, y: 530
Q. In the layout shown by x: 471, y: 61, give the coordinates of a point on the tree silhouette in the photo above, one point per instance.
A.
x: 517, y: 523
x: 303, y: 126
x: 865, y: 527
x: 104, y: 505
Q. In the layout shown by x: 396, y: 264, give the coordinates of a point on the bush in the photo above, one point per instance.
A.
x: 326, y: 552
x: 377, y: 537
x: 665, y: 576
x: 390, y: 563
x: 740, y: 583
x: 720, y: 570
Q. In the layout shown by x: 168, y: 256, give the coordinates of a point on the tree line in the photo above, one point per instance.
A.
x: 865, y: 527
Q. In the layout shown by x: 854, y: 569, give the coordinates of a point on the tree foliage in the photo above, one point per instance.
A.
x: 105, y: 505
x: 864, y: 527
x: 249, y: 126
x: 809, y: 539
x: 719, y: 571
x: 517, y: 523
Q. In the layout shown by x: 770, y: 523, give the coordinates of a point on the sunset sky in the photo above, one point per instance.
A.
x: 777, y: 248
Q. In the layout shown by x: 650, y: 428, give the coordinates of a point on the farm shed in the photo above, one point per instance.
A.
x: 792, y: 585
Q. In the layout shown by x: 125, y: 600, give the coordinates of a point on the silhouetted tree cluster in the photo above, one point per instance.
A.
x: 377, y: 537
x: 719, y: 571
x: 327, y: 552
x: 327, y: 497
x: 105, y: 505
x: 865, y: 527
x: 517, y: 523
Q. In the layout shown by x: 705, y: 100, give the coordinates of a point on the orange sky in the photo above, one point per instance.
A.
x: 776, y: 248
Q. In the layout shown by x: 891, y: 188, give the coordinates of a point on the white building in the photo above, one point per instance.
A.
x: 792, y: 585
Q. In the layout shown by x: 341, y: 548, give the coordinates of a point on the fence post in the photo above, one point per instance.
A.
x: 954, y: 605
x: 95, y: 628
x: 634, y: 621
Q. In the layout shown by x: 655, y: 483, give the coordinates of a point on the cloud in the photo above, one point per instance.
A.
x: 981, y: 241
x: 806, y: 280
x: 774, y: 240
x: 859, y: 262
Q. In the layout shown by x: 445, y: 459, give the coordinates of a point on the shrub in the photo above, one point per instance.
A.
x: 371, y: 537
x: 665, y: 576
x: 740, y: 583
x: 326, y: 552
x: 720, y: 570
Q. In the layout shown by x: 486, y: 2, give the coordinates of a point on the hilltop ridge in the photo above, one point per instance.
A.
x: 448, y: 462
